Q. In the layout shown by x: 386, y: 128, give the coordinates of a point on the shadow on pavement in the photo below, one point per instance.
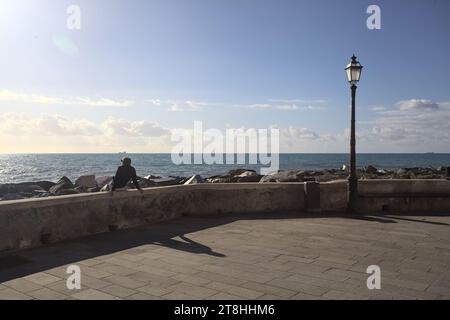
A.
x: 15, y: 264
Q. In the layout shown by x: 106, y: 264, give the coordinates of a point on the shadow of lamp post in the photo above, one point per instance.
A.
x: 353, y: 71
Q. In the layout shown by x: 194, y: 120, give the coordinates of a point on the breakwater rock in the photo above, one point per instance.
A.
x: 90, y: 183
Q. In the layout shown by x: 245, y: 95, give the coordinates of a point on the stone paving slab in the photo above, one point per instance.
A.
x: 265, y: 257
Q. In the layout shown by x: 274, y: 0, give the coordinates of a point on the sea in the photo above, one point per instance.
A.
x: 16, y: 168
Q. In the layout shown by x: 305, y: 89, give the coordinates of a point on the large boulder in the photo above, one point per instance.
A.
x: 247, y: 176
x: 102, y: 181
x: 143, y: 183
x: 65, y: 192
x: 218, y: 179
x: 63, y: 184
x: 236, y: 175
x: 12, y: 196
x: 105, y: 188
x: 238, y: 172
x: 86, y: 182
x: 24, y: 187
x: 170, y: 181
x: 46, y: 185
x: 195, y: 179
x: 152, y: 177
x: 370, y: 169
x: 284, y: 176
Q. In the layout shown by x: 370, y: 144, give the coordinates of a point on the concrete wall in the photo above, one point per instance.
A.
x: 33, y: 222
x: 404, y: 195
x: 388, y: 195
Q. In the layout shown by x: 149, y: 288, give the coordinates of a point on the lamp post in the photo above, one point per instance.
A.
x: 353, y: 71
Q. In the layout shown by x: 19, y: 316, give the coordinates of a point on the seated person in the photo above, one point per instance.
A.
x: 124, y: 174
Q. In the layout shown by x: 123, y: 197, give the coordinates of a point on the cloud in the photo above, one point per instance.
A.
x: 378, y: 108
x: 45, y: 125
x: 128, y: 128
x: 173, y: 105
x: 11, y: 96
x: 417, y: 104
x: 415, y: 125
x: 299, y: 101
x: 288, y: 105
x: 294, y: 133
x: 56, y: 125
x: 102, y: 102
x: 190, y: 105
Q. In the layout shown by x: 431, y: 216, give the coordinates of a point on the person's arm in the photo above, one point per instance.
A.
x: 134, y: 178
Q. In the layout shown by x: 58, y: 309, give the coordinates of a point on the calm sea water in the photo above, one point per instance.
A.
x: 33, y: 167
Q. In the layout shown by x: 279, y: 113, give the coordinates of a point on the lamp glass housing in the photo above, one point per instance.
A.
x: 353, y: 71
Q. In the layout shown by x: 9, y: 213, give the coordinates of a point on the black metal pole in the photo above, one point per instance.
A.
x: 353, y: 179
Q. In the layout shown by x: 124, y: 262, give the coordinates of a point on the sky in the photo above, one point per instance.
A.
x: 138, y: 71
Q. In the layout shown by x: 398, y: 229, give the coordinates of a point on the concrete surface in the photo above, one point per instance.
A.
x: 248, y: 256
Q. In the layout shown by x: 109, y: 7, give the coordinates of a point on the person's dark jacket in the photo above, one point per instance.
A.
x: 123, y: 175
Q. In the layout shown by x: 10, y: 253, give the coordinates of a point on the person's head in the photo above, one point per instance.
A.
x: 126, y: 161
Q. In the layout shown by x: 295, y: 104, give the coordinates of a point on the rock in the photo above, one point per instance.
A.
x: 247, y: 176
x: 42, y: 194
x: 105, y: 188
x: 25, y: 187
x: 62, y: 184
x: 255, y: 178
x: 247, y: 173
x: 284, y: 176
x: 143, y: 183
x: 370, y: 169
x: 218, y: 179
x: 46, y: 185
x: 65, y: 192
x: 12, y: 196
x: 94, y: 189
x: 171, y: 181
x: 102, y: 181
x: 152, y: 177
x: 195, y: 179
x: 86, y: 182
x: 32, y: 188
x: 237, y: 172
x: 79, y: 189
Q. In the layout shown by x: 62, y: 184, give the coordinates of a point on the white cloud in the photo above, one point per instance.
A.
x: 184, y: 105
x: 20, y: 132
x: 417, y: 104
x: 11, y: 96
x: 56, y: 125
x: 416, y: 125
x: 378, y: 108
x: 289, y: 105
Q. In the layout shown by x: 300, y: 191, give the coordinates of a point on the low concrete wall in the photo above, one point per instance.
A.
x: 404, y: 195
x: 333, y: 196
x: 33, y: 222
x: 388, y: 195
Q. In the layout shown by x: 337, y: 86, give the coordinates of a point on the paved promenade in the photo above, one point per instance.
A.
x: 244, y: 257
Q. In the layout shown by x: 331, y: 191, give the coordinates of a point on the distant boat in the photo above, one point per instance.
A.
x: 123, y: 152
x: 429, y: 152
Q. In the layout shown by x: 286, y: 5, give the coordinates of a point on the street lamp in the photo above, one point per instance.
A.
x: 353, y: 71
